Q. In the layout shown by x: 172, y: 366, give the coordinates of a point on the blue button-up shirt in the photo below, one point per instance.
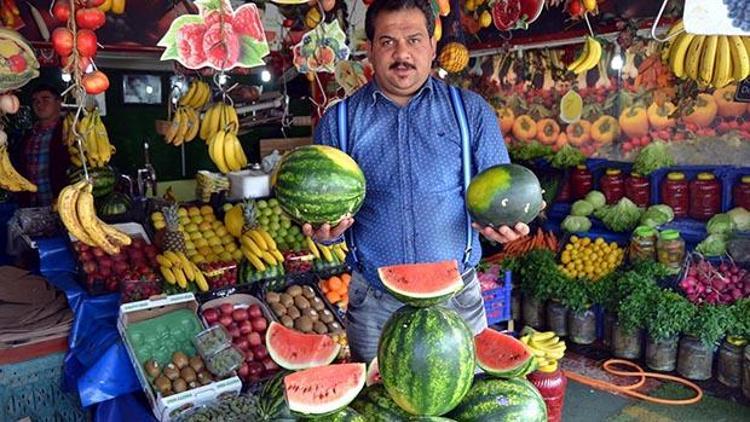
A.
x: 414, y: 209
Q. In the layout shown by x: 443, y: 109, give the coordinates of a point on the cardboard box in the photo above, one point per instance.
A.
x: 171, y: 407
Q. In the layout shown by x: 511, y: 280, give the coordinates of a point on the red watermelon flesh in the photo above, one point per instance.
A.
x: 503, y: 356
x: 325, y: 389
x: 422, y: 284
x: 373, y: 373
x: 293, y: 350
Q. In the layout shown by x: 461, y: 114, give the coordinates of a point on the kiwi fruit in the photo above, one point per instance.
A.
x: 312, y: 313
x: 163, y: 384
x: 294, y: 291
x: 293, y: 312
x: 179, y: 385
x: 304, y: 324
x: 334, y: 327
x: 317, y: 303
x: 272, y: 297
x: 152, y: 368
x: 308, y: 292
x: 301, y: 302
x: 188, y: 374
x: 319, y: 327
x: 278, y: 309
x: 204, y: 377
x: 170, y: 371
x: 196, y: 363
x: 193, y: 384
x: 326, y: 316
x: 287, y: 321
x: 286, y: 300
x: 180, y: 360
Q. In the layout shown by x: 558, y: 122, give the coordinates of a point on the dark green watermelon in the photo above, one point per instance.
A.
x: 492, y: 400
x: 319, y: 184
x: 271, y: 404
x: 504, y: 195
x: 346, y: 414
x: 103, y: 178
x: 114, y: 204
x: 426, y: 359
x: 377, y: 406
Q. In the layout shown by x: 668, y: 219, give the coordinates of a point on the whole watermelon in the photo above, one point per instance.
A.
x: 492, y: 400
x: 377, y: 406
x: 504, y: 195
x: 426, y: 359
x: 103, y: 179
x: 115, y: 203
x: 319, y: 184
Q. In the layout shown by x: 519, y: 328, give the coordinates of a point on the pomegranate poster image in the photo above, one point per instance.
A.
x: 218, y: 37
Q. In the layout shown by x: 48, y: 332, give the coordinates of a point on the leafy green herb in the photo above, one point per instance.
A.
x: 567, y: 157
x: 528, y: 151
x: 739, y: 323
x: 621, y: 217
x: 710, y: 323
x: 637, y: 307
x: 539, y: 275
x: 671, y: 315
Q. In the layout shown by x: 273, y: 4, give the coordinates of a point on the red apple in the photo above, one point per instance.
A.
x: 62, y: 41
x: 226, y: 320
x: 242, y: 343
x: 255, y: 370
x: 249, y: 356
x: 260, y: 352
x: 269, y: 364
x: 246, y: 327
x: 211, y: 315
x: 254, y: 311
x: 120, y: 267
x: 260, y: 325
x: 226, y: 309
x: 89, y: 267
x: 85, y: 256
x: 244, y: 371
x: 105, y: 261
x: 233, y: 330
x: 254, y: 339
x: 105, y: 272
x: 239, y: 315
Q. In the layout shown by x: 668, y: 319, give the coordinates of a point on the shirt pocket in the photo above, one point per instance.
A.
x: 378, y: 157
x: 437, y: 161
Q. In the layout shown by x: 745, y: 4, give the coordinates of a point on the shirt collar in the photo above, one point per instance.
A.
x: 375, y: 90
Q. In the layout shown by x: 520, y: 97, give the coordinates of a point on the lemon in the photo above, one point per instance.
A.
x: 485, y: 19
x: 571, y: 107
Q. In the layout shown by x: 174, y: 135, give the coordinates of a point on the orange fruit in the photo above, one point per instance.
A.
x: 346, y: 278
x: 324, y: 287
x: 333, y: 297
x: 335, y: 283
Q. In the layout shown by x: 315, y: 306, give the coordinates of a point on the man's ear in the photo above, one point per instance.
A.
x: 433, y: 44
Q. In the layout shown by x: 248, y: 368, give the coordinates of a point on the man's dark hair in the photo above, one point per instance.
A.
x: 378, y: 6
x: 46, y: 88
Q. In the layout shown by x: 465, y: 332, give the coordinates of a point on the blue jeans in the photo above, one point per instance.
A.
x: 369, y: 309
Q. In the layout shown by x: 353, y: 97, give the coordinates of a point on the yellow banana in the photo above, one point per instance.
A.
x: 230, y: 152
x: 206, y: 94
x: 270, y: 243
x: 193, y: 123
x: 313, y: 247
x: 259, y: 239
x: 248, y: 242
x: 216, y: 146
x: 693, y: 57
x: 87, y: 216
x: 200, y: 280
x: 746, y: 41
x: 677, y: 54
x: 723, y: 70
x: 548, y: 367
x: 66, y: 208
x: 254, y: 260
x: 581, y: 57
x: 180, y: 277
x: 276, y: 254
x: 187, y: 266
x: 269, y: 258
x: 708, y: 60
x: 163, y: 261
x: 326, y: 253
x: 184, y: 126
x: 595, y: 54
x: 118, y: 7
x: 187, y: 99
x: 344, y: 247
x: 677, y: 28
x: 341, y: 255
x: 168, y: 274
x: 121, y: 238
x: 10, y: 178
x: 204, y: 131
x: 740, y: 58
x: 543, y: 335
x: 106, y: 6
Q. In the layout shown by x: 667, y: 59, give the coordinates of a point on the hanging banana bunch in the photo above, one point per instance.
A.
x: 220, y: 127
x: 94, y: 139
x: 185, y: 122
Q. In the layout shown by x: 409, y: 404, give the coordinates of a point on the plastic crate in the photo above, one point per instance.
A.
x: 34, y: 389
x: 497, y: 301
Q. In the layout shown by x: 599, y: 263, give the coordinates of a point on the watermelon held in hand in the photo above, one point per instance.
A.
x: 325, y: 389
x: 424, y: 284
x: 294, y: 350
x: 426, y: 359
x: 319, y: 184
x: 503, y: 356
x: 504, y: 195
x: 501, y: 400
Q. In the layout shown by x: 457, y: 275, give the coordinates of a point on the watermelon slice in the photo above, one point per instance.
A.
x: 503, y: 356
x: 373, y: 373
x: 325, y: 389
x: 424, y: 284
x: 293, y: 350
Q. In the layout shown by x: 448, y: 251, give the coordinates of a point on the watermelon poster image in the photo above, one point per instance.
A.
x: 218, y: 37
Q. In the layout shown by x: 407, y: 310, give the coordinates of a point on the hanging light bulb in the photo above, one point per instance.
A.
x: 265, y: 76
x: 222, y: 79
x: 66, y: 77
x: 617, y: 61
x: 442, y: 73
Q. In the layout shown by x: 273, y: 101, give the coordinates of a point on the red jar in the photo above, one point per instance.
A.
x: 612, y: 185
x: 638, y: 189
x: 741, y: 193
x: 581, y: 182
x: 564, y: 193
x: 705, y: 196
x: 675, y: 193
x: 551, y: 386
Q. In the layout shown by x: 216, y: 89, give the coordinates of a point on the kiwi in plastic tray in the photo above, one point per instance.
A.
x: 302, y: 306
x: 157, y: 338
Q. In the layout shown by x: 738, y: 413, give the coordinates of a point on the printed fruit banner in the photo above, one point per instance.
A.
x: 217, y: 37
x: 321, y: 48
x: 18, y: 64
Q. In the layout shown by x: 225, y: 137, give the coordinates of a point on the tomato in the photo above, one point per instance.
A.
x: 575, y: 8
x: 62, y: 41
x: 86, y: 43
x: 90, y: 18
x: 61, y: 11
x: 95, y: 82
x: 17, y: 63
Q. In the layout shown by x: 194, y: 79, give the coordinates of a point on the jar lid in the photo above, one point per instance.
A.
x: 670, y: 235
x: 581, y: 166
x: 644, y: 231
x: 706, y: 176
x: 635, y: 174
x: 674, y: 176
x: 613, y: 172
x: 745, y: 179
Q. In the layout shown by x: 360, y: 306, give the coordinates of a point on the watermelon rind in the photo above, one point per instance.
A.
x: 426, y: 359
x: 373, y: 373
x: 310, y: 350
x: 346, y: 414
x: 336, y: 395
x: 377, y: 406
x: 389, y: 276
x: 491, y: 344
x: 501, y: 400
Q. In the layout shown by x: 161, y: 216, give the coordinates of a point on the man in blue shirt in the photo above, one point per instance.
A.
x: 403, y: 132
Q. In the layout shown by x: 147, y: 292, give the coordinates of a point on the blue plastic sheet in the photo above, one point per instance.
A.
x: 96, y: 365
x: 129, y: 407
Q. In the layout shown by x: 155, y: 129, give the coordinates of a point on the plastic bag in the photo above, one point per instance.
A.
x: 270, y: 161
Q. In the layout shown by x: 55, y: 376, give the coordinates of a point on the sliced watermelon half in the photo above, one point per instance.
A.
x: 293, y: 350
x: 323, y: 390
x: 503, y: 356
x: 373, y: 373
x: 423, y: 284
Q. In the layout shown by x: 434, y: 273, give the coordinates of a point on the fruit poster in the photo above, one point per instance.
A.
x: 18, y: 64
x: 717, y: 17
x: 218, y: 37
x: 321, y: 48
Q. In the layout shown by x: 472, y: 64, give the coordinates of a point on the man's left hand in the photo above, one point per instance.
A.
x: 503, y: 234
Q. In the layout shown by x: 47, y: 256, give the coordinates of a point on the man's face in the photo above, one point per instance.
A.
x: 46, y: 105
x: 401, y: 52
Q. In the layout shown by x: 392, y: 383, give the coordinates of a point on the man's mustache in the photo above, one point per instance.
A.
x: 402, y: 64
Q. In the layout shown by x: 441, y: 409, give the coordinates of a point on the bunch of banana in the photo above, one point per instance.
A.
x: 208, y: 183
x: 260, y: 249
x: 548, y: 349
x: 183, y: 127
x: 197, y: 96
x: 589, y: 57
x: 327, y: 252
x: 117, y: 7
x: 176, y: 268
x: 711, y: 60
x: 226, y: 152
x: 75, y: 204
x: 10, y: 179
x: 94, y: 138
x: 219, y: 117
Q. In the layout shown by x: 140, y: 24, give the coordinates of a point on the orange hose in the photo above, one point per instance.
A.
x: 629, y: 390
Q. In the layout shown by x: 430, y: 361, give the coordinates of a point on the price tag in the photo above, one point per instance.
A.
x: 709, y: 17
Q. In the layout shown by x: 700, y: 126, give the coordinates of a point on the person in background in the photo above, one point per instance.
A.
x: 41, y: 156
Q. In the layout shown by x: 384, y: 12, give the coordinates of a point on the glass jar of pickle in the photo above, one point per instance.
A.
x: 643, y: 244
x: 670, y: 249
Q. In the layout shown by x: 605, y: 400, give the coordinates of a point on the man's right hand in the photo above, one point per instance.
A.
x: 326, y: 233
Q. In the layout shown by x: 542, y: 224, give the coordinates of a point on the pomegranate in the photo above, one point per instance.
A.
x: 86, y: 43
x: 221, y: 46
x: 90, y: 18
x: 95, y: 82
x: 62, y: 41
x: 505, y: 14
